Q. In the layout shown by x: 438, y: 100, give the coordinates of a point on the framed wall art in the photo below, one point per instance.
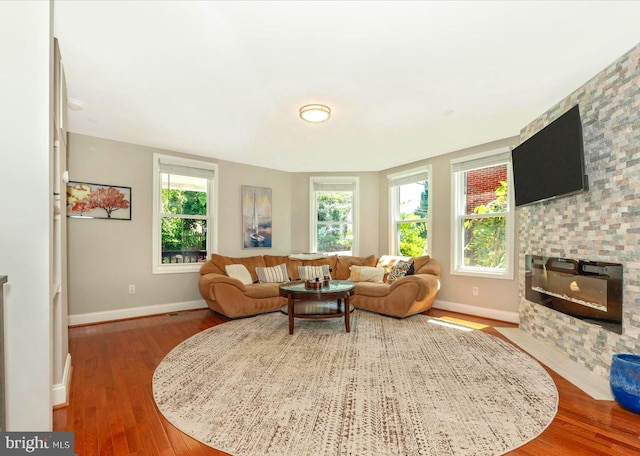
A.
x: 256, y: 217
x: 98, y: 201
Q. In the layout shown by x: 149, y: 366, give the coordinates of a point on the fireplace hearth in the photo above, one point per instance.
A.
x: 588, y: 290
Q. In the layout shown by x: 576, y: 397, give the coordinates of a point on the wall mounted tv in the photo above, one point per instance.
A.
x: 550, y: 164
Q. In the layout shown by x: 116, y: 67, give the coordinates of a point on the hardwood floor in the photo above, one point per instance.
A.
x: 112, y: 412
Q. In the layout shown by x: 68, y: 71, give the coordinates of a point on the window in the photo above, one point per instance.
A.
x: 184, y: 193
x: 483, y: 215
x: 334, y: 215
x: 410, y: 202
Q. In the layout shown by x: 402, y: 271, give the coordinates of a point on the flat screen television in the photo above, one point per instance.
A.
x: 550, y: 164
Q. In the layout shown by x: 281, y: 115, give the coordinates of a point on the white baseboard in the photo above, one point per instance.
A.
x: 60, y: 391
x: 494, y: 314
x: 133, y: 312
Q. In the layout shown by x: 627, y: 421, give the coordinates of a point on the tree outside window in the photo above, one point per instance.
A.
x: 485, y: 236
x: 334, y: 221
x: 184, y: 238
x: 184, y: 224
x: 412, y: 228
x: 483, y: 216
x: 333, y: 218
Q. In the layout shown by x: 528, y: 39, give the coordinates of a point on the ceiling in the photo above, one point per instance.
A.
x: 405, y: 80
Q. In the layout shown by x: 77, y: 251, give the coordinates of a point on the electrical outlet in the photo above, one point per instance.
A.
x: 475, y: 291
x: 132, y: 289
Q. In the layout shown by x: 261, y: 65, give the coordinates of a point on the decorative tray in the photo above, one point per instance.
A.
x: 315, y: 284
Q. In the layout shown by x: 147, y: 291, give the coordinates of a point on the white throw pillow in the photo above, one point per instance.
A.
x: 274, y: 274
x: 240, y: 272
x: 367, y: 274
x: 313, y: 272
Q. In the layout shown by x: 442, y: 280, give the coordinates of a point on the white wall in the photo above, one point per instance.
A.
x: 26, y: 47
x: 232, y: 177
x: 498, y: 298
x: 105, y: 256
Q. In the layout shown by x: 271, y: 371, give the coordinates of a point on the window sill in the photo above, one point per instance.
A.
x: 177, y: 268
x: 485, y: 273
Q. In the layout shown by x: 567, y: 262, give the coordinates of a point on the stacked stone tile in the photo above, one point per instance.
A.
x: 602, y: 224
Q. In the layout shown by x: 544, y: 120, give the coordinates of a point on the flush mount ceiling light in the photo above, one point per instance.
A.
x: 315, y: 113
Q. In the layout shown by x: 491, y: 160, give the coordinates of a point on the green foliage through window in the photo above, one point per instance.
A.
x: 335, y: 221
x: 183, y: 234
x: 413, y: 235
x: 485, y: 237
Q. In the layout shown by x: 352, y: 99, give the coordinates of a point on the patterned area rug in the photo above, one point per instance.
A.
x: 390, y: 387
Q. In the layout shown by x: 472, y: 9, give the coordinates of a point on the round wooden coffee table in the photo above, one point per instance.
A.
x: 330, y: 301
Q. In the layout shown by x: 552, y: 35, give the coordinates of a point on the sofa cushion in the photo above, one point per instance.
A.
x: 372, y: 289
x: 293, y: 264
x: 273, y: 274
x: 240, y: 272
x: 424, y: 265
x: 209, y: 267
x: 367, y: 274
x: 262, y: 290
x: 313, y: 272
x: 343, y: 263
x: 308, y: 256
x: 251, y: 263
x: 399, y: 269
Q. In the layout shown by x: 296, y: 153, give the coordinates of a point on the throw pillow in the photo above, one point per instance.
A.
x: 240, y: 272
x: 308, y: 256
x: 400, y: 269
x: 313, y: 272
x: 366, y: 274
x: 274, y: 274
x: 412, y: 269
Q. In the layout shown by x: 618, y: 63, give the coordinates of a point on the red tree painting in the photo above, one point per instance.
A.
x: 108, y: 199
x: 89, y: 200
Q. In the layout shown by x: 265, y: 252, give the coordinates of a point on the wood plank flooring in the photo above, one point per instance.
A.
x: 111, y: 409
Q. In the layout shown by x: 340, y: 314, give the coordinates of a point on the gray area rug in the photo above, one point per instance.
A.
x: 390, y: 387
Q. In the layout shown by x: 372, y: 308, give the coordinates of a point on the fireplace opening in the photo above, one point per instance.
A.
x: 588, y: 290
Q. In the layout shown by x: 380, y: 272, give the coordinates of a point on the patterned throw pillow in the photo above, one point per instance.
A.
x: 313, y: 272
x: 274, y: 274
x: 400, y: 269
x: 366, y: 274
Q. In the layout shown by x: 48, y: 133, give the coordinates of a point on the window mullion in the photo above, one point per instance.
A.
x: 483, y: 216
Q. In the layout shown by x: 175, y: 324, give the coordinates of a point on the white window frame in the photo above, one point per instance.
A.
x: 212, y: 213
x: 458, y: 203
x: 316, y: 183
x: 395, y: 181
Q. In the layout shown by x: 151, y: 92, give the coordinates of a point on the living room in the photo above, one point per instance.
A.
x: 120, y: 251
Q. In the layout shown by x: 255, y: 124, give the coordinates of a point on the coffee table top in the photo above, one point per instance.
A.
x: 335, y: 286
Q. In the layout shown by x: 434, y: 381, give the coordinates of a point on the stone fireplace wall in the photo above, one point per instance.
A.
x: 602, y: 224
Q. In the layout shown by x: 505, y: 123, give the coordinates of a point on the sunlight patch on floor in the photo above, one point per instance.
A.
x: 448, y: 324
x: 469, y: 324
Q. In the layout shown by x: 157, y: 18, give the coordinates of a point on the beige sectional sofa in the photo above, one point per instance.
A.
x: 406, y: 296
